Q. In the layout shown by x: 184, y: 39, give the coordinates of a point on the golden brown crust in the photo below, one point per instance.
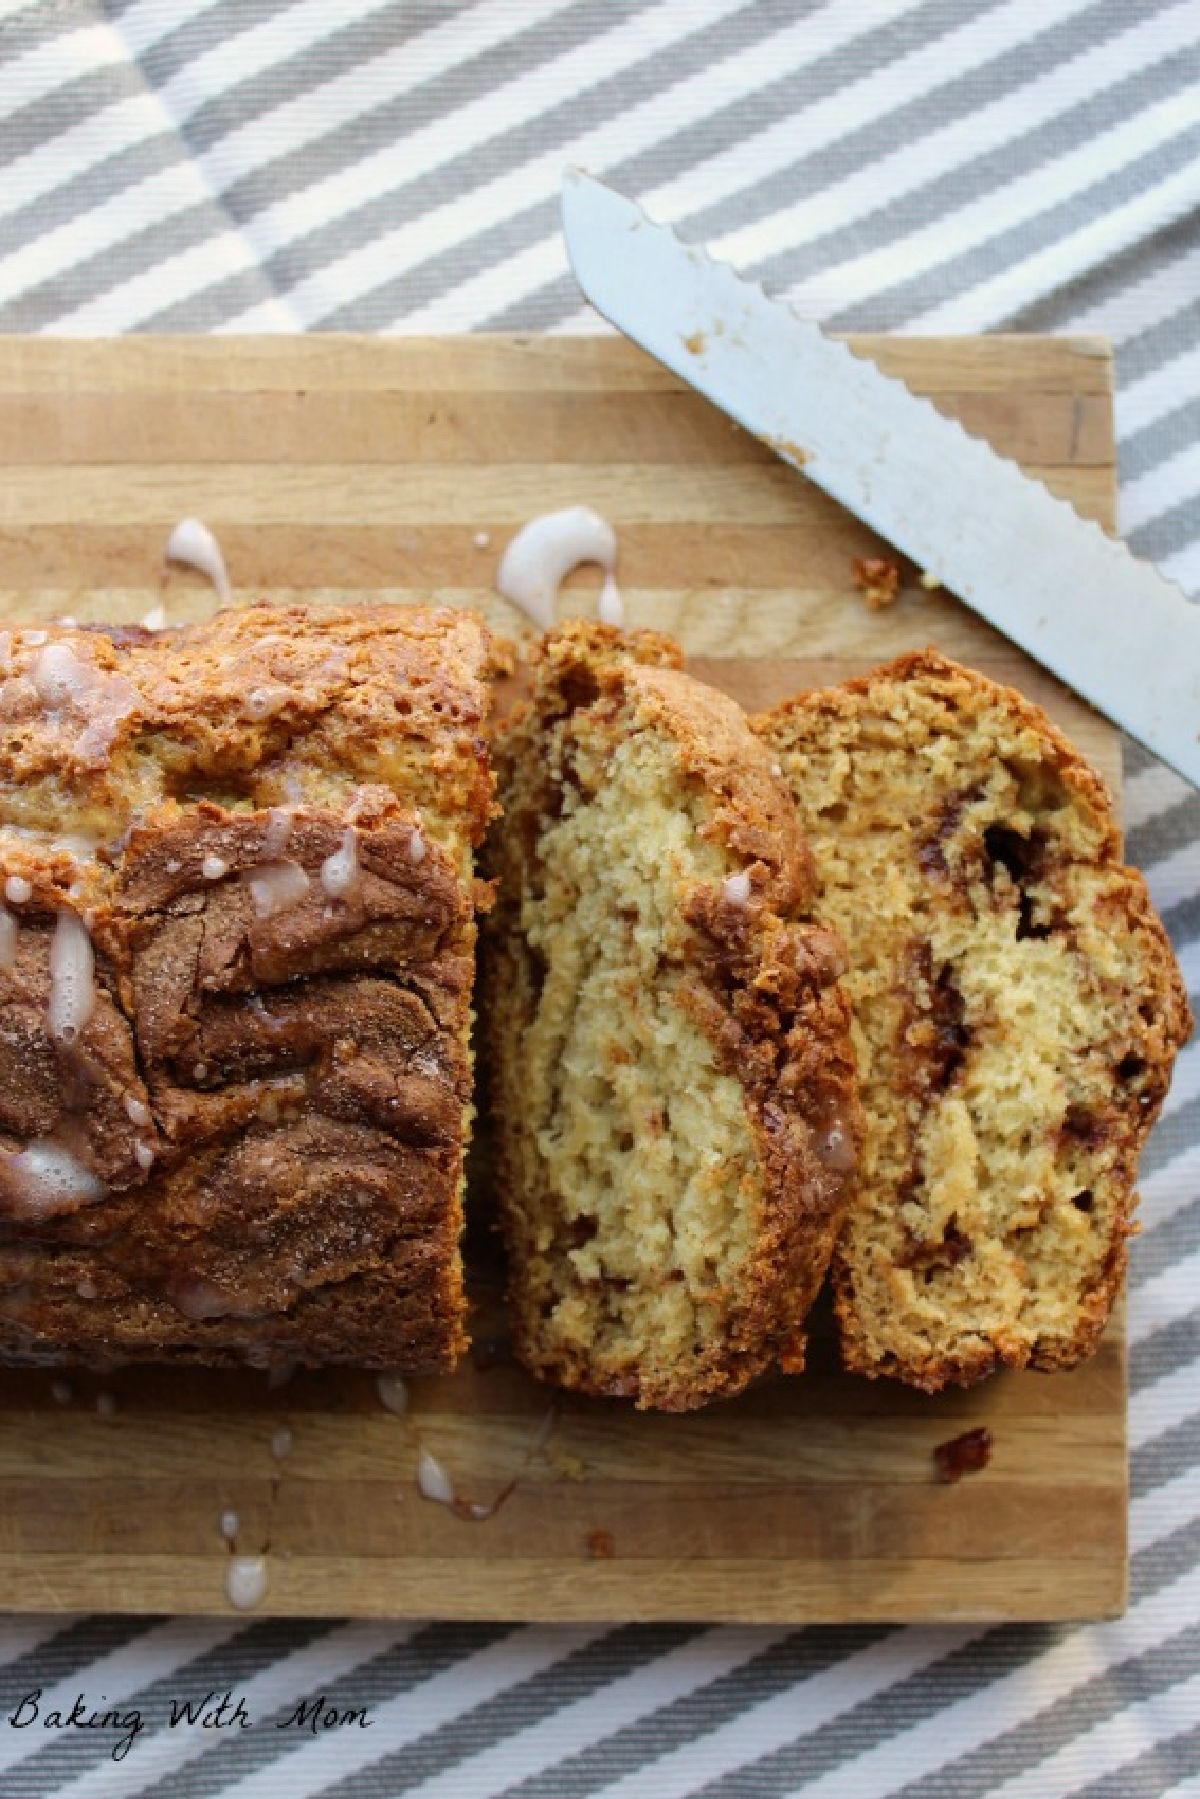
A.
x: 753, y: 817
x: 756, y: 978
x: 1012, y: 862
x: 961, y: 690
x: 264, y: 705
x: 769, y: 1002
x: 264, y: 1110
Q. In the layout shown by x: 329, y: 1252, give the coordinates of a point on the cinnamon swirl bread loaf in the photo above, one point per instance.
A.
x: 667, y: 1048
x: 1017, y: 1011
x: 236, y: 957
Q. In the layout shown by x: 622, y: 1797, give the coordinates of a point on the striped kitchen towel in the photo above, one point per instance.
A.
x: 900, y: 165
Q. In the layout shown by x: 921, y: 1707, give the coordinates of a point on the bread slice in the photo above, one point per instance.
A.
x: 1017, y: 1011
x: 235, y: 987
x: 667, y: 1050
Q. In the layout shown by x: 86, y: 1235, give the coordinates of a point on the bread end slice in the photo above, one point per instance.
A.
x: 1017, y: 1013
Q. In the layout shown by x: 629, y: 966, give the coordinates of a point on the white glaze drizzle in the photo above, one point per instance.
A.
x: 482, y: 539
x: 85, y: 702
x: 155, y: 619
x: 199, y: 1299
x: 8, y: 939
x: 393, y: 1392
x: 281, y: 822
x: 246, y: 1581
x: 281, y: 1443
x: 416, y: 848
x: 17, y: 890
x: 138, y: 1111
x: 143, y: 1155
x: 737, y: 889
x: 836, y: 1150
x: 63, y: 683
x: 264, y: 1017
x: 263, y: 702
x: 544, y: 552
x: 277, y: 887
x: 72, y: 979
x: 60, y: 677
x: 340, y: 872
x: 77, y: 846
x: 432, y: 1480
x: 610, y: 608
x: 228, y: 1525
x: 5, y: 652
x: 192, y: 543
x: 86, y: 1289
x: 213, y: 868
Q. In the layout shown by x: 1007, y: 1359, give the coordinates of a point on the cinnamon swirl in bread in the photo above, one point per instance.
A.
x: 667, y: 1048
x: 1017, y: 1011
x: 235, y: 982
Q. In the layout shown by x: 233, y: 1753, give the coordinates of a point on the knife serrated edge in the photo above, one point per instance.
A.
x: 1166, y: 720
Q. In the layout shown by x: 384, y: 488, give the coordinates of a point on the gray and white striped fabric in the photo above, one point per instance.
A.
x: 901, y: 165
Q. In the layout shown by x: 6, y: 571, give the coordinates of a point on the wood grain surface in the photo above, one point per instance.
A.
x: 338, y: 469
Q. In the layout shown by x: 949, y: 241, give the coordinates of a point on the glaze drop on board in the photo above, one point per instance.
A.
x: 246, y: 1581
x: 393, y: 1393
x: 193, y: 544
x: 432, y: 1479
x: 542, y: 555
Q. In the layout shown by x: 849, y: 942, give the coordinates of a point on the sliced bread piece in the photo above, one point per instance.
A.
x: 668, y: 1052
x: 1017, y: 1011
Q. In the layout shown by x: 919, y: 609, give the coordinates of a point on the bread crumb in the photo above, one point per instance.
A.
x: 877, y: 579
x: 965, y: 1454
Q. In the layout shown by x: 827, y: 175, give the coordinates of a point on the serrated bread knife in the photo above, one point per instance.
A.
x: 1109, y: 626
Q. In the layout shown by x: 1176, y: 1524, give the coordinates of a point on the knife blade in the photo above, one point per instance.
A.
x: 1074, y: 598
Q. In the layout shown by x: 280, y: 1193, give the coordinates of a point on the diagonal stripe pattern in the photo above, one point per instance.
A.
x: 392, y: 165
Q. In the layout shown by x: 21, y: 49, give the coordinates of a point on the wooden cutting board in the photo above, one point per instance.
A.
x: 342, y: 468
